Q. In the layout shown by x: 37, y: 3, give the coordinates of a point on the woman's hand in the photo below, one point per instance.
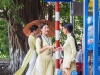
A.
x: 68, y: 65
x: 54, y: 49
x: 50, y: 47
x: 57, y: 49
x: 45, y: 48
x: 60, y: 48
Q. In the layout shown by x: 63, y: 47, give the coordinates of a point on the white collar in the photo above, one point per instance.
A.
x: 68, y: 35
x: 32, y: 34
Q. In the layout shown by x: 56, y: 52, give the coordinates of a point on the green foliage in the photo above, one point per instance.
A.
x: 11, y: 8
x: 7, y: 9
x: 14, y: 8
x: 5, y: 4
x: 78, y: 27
x: 64, y: 12
x: 4, y: 46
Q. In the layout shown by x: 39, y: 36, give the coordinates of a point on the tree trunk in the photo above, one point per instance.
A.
x: 18, y: 45
x: 50, y: 12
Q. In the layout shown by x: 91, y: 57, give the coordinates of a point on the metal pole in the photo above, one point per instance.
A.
x: 99, y: 30
x: 57, y: 36
x: 95, y: 37
x: 71, y: 16
x: 71, y: 13
x: 85, y: 30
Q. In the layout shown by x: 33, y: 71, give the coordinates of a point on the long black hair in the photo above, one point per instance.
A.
x: 69, y: 27
x: 39, y: 36
x: 72, y: 34
x: 33, y: 28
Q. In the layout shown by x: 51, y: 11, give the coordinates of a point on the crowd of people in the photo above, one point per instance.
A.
x: 39, y: 56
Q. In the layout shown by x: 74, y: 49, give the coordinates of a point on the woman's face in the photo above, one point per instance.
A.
x: 45, y: 30
x: 65, y: 30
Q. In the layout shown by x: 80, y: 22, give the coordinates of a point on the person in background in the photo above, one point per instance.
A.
x: 79, y: 56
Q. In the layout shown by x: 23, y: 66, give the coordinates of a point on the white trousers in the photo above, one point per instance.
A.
x: 37, y: 66
x: 31, y: 63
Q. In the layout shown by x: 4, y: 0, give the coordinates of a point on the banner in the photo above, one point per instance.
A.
x: 90, y: 33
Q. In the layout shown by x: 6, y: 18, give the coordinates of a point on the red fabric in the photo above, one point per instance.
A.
x: 79, y: 67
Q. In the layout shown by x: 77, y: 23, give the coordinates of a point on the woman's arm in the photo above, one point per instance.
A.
x: 73, y: 49
x: 59, y: 48
x: 45, y: 48
x: 38, y: 46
